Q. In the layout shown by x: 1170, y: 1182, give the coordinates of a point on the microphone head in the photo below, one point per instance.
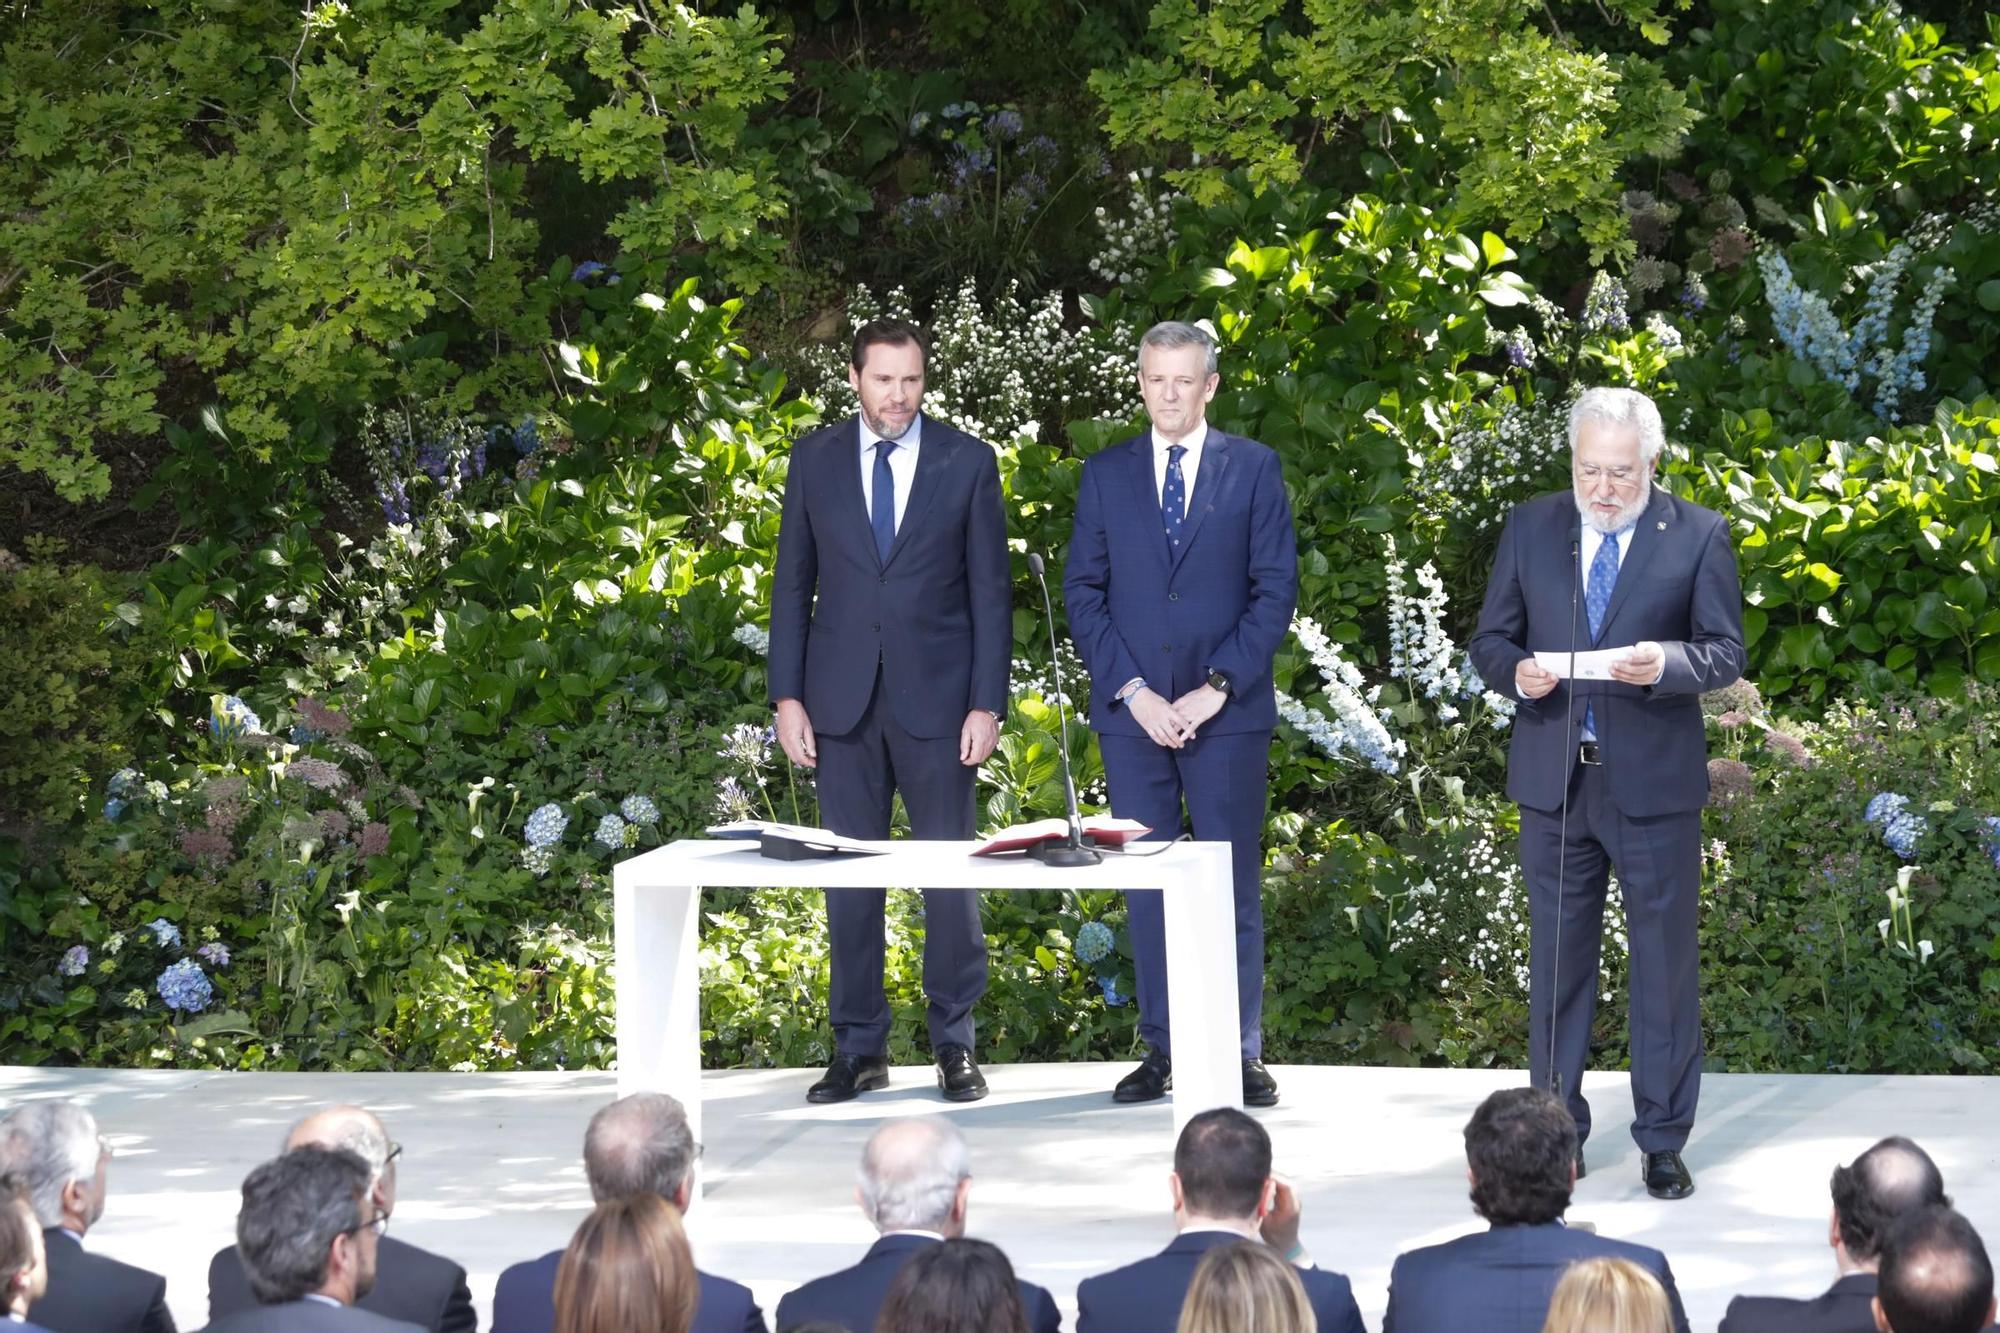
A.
x: 1035, y: 563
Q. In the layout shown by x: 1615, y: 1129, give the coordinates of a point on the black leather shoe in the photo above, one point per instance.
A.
x: 1667, y: 1176
x: 1152, y: 1080
x: 848, y: 1075
x: 959, y: 1078
x: 1259, y: 1088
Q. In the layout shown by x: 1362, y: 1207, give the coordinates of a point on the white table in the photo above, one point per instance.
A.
x: 657, y: 905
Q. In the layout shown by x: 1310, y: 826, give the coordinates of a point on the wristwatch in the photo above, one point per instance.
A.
x: 1218, y: 682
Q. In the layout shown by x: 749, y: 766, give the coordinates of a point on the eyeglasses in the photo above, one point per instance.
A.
x: 1590, y: 473
x: 379, y: 1224
x: 395, y: 1151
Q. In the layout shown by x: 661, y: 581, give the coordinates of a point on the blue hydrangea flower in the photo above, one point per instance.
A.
x: 1884, y: 807
x: 215, y: 953
x: 165, y: 933
x: 1114, y: 997
x: 538, y: 861
x: 639, y: 809
x: 546, y: 825
x: 1991, y: 823
x: 1903, y: 831
x: 229, y: 717
x: 611, y: 831
x: 74, y: 960
x: 124, y: 782
x: 526, y: 441
x: 583, y: 272
x: 113, y: 808
x: 1094, y: 942
x: 185, y: 987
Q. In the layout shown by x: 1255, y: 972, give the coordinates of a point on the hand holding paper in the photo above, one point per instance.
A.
x: 1636, y: 664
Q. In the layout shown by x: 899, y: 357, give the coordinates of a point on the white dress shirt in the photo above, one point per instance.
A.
x: 1190, y: 461
x: 902, y: 466
x: 1586, y: 553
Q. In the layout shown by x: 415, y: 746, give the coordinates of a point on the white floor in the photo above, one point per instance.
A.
x: 1066, y: 1182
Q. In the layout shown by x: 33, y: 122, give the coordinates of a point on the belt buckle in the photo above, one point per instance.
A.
x: 1587, y: 753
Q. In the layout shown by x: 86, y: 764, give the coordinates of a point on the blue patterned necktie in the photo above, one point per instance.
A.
x: 1596, y: 601
x: 1173, y: 496
x: 882, y: 514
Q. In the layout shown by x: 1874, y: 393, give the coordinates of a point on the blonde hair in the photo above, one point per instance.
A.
x: 1608, y: 1296
x: 627, y: 1267
x: 1245, y: 1287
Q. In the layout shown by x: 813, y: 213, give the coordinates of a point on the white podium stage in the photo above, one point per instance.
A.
x: 657, y: 901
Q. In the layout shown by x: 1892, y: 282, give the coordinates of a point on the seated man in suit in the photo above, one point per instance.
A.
x: 1885, y: 1182
x: 24, y: 1261
x: 1935, y: 1276
x: 1520, y: 1153
x: 916, y: 1179
x: 637, y: 1145
x: 56, y: 1149
x: 411, y: 1284
x: 1223, y: 1191
x: 307, y: 1234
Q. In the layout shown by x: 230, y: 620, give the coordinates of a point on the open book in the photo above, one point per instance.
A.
x: 1100, y: 829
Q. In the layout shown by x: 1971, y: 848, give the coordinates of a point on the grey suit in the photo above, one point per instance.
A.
x: 308, y: 1317
x: 1638, y: 811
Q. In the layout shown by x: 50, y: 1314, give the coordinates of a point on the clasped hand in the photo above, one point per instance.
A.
x: 1174, y: 724
x: 1640, y: 665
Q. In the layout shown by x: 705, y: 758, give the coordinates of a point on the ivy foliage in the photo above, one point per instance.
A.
x: 290, y: 214
x: 1533, y: 125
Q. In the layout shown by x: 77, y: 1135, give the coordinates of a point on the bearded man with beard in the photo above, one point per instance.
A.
x: 1611, y: 774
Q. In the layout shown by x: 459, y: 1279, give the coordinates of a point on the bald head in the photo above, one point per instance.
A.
x: 639, y: 1145
x: 356, y: 1129
x: 1889, y: 1180
x: 1935, y: 1276
x: 914, y: 1175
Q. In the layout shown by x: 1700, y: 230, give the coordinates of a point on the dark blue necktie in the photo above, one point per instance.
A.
x: 1597, y: 600
x: 882, y: 517
x: 1173, y: 496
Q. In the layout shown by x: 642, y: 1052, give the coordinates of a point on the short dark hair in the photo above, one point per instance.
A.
x: 1223, y: 1158
x: 293, y: 1207
x: 890, y: 333
x: 1935, y: 1276
x: 1520, y: 1144
x: 18, y: 1225
x: 961, y: 1286
x: 1883, y: 1183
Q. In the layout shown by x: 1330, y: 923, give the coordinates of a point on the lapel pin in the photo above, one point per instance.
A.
x: 1663, y: 525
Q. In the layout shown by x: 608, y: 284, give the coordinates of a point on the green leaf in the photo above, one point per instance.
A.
x: 1989, y: 294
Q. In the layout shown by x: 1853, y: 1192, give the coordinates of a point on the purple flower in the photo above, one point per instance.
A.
x: 214, y: 953
x: 583, y: 272
x: 395, y: 502
x: 1004, y: 124
x: 74, y: 960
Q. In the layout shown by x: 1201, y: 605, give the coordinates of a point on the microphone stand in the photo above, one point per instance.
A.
x: 1071, y: 850
x: 1562, y: 848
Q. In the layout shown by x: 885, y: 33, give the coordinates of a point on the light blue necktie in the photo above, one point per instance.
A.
x: 882, y: 516
x: 1173, y: 495
x: 1596, y: 601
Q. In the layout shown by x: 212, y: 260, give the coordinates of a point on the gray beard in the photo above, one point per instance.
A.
x: 1626, y: 516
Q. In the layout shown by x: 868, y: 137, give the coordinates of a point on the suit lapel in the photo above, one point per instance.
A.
x: 1207, y: 485
x: 847, y: 496
x: 1146, y: 491
x: 1654, y: 526
x: 933, y: 455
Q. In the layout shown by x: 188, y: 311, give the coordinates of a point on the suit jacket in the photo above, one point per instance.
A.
x: 411, y: 1284
x: 93, y: 1293
x: 1846, y: 1307
x: 308, y: 1317
x: 1147, y: 1296
x: 1221, y: 602
x: 1677, y: 586
x: 854, y: 1296
x: 525, y: 1301
x: 937, y: 615
x: 1500, y: 1280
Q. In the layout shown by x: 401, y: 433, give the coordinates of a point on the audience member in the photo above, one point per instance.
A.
x: 307, y: 1234
x: 637, y: 1145
x: 1244, y: 1287
x: 1934, y: 1275
x: 1223, y: 1190
x: 24, y: 1265
x: 961, y: 1286
x: 916, y: 1180
x: 1520, y: 1150
x: 1608, y: 1296
x: 627, y: 1270
x: 56, y: 1148
x: 1885, y: 1182
x: 411, y: 1284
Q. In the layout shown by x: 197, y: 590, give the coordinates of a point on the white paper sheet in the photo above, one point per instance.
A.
x: 1594, y: 664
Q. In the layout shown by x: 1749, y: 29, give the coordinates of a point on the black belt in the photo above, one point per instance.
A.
x: 1588, y: 753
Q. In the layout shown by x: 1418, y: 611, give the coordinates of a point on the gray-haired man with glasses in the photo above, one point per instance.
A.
x: 410, y: 1283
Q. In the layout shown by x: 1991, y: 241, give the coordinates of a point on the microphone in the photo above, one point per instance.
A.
x: 1071, y: 850
x: 1562, y: 850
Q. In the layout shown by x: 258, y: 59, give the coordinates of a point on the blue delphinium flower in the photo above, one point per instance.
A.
x: 229, y: 717
x: 640, y: 809
x: 1520, y: 348
x: 1112, y: 995
x: 1094, y: 942
x: 1604, y: 309
x: 546, y: 825
x: 113, y: 808
x: 185, y: 986
x: 1884, y: 806
x: 395, y: 503
x: 215, y: 953
x: 583, y: 272
x: 611, y: 831
x: 1991, y: 823
x: 74, y: 960
x: 165, y: 933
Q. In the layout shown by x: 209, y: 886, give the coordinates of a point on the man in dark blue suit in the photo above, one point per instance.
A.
x: 916, y: 1184
x: 1180, y: 581
x: 1890, y: 1179
x: 891, y: 637
x: 637, y: 1145
x: 1223, y: 1191
x: 1611, y: 774
x: 1520, y: 1153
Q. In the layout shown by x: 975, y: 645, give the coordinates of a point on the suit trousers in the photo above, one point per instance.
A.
x: 1224, y: 780
x: 1658, y: 863
x: 860, y: 773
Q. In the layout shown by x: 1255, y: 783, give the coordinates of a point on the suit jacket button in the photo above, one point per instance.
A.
x: 1173, y: 597
x: 877, y: 627
x: 1166, y: 647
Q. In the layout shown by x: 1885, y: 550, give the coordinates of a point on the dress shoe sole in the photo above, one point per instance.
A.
x: 1133, y: 1096
x: 963, y: 1094
x: 1261, y: 1098
x: 1671, y: 1191
x: 866, y: 1083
